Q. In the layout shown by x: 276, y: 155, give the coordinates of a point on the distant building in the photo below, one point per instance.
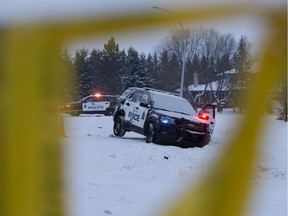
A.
x: 203, y: 93
x: 225, y: 88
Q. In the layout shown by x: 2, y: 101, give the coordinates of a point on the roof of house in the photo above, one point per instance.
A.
x: 211, y: 86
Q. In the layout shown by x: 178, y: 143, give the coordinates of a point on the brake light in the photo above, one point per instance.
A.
x: 97, y: 95
x: 203, y: 116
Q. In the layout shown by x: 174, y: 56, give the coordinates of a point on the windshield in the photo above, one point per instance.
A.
x: 173, y: 103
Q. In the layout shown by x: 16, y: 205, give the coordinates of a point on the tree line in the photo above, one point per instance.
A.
x: 206, y: 52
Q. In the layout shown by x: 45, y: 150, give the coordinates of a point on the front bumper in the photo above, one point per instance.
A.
x: 182, y: 131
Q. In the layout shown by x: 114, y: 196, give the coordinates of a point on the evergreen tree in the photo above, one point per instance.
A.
x: 156, y: 71
x: 163, y: 69
x: 132, y: 68
x: 142, y: 79
x: 242, y: 64
x: 83, y: 76
x: 68, y: 77
x: 223, y: 63
x: 111, y: 71
x: 211, y: 70
x: 203, y: 71
x: 150, y: 71
x: 95, y: 67
x: 174, y: 72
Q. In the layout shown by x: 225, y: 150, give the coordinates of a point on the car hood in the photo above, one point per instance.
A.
x: 180, y: 115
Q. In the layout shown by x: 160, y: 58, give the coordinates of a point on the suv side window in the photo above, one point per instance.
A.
x: 89, y: 99
x: 124, y: 95
x: 136, y: 97
x: 144, y: 98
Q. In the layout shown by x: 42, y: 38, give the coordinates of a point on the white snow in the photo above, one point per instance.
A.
x: 105, y: 175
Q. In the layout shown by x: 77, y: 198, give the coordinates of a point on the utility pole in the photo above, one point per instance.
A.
x: 184, y: 54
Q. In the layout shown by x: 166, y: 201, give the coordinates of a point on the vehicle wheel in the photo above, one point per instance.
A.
x: 204, y: 140
x: 74, y: 114
x: 118, y: 128
x: 108, y: 112
x: 150, y: 133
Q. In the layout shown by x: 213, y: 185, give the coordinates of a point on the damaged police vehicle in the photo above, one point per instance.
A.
x: 163, y: 117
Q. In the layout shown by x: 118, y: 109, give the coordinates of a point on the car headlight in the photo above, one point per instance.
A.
x: 167, y: 120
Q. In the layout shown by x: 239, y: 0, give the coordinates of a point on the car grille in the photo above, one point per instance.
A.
x: 195, y: 127
x: 191, y: 126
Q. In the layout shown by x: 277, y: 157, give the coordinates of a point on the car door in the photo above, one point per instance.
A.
x: 209, y: 112
x: 130, y: 105
x: 86, y: 104
x: 95, y: 104
x: 141, y: 110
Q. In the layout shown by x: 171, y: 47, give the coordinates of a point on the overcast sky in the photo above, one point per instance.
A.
x: 15, y: 10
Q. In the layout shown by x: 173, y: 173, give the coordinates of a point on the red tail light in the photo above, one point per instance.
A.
x: 203, y: 116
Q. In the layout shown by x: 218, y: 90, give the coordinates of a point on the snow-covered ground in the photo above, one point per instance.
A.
x: 106, y: 175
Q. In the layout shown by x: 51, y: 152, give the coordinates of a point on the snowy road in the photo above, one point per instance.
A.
x: 106, y: 175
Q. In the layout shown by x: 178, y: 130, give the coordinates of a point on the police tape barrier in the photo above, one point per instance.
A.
x: 30, y: 162
x: 31, y: 182
x: 224, y: 190
x: 62, y: 127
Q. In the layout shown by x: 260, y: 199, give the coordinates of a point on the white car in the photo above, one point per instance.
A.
x: 91, y: 104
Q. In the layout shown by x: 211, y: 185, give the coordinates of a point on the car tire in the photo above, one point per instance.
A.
x: 118, y: 128
x: 150, y: 133
x: 108, y: 112
x: 204, y: 140
x: 75, y: 114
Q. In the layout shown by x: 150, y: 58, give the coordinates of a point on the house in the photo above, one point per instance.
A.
x: 218, y: 90
x: 222, y: 91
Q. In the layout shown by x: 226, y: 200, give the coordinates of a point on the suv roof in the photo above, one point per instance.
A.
x: 167, y: 100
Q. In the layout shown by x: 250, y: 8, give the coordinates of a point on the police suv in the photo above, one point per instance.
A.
x: 91, y: 104
x: 163, y: 117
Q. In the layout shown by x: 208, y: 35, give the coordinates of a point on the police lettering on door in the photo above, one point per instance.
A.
x: 95, y: 106
x: 134, y: 116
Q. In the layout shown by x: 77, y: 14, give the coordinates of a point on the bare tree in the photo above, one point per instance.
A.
x: 182, y: 43
x: 215, y: 50
x: 227, y: 45
x: 177, y: 43
x: 218, y: 50
x: 209, y: 43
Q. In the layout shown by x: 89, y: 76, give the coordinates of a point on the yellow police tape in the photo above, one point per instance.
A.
x: 30, y: 154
